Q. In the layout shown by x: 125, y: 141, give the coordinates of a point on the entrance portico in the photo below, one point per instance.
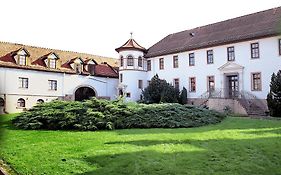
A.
x: 231, y: 79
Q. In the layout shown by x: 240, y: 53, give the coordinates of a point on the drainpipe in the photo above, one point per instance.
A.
x: 5, y: 88
x: 5, y: 101
x: 63, y: 90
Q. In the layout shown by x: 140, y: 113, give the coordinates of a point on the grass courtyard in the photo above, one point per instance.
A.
x: 235, y: 146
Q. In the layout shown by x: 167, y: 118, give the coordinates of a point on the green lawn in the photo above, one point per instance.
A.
x: 235, y: 146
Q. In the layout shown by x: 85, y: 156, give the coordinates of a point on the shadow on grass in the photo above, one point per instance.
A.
x: 266, y: 131
x: 229, y: 123
x: 224, y: 156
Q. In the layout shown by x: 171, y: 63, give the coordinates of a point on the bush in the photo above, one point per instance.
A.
x: 97, y: 114
x: 158, y: 91
x: 183, y: 96
x: 274, y: 96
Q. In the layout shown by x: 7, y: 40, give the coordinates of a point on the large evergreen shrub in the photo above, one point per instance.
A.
x: 160, y: 91
x: 97, y: 114
x: 183, y: 96
x: 274, y: 96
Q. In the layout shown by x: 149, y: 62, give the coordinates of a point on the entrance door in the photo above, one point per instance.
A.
x: 84, y: 93
x: 233, y: 86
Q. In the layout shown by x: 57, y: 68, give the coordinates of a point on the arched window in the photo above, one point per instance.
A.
x: 130, y: 60
x: 39, y: 101
x: 21, y: 103
x: 121, y: 61
x: 140, y: 61
x: 2, y: 102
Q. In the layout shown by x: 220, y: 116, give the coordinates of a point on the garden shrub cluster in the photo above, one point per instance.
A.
x: 95, y: 114
x: 160, y: 91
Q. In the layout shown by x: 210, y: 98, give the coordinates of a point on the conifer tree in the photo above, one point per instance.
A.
x: 274, y: 96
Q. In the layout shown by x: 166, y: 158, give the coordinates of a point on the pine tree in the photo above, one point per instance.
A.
x: 274, y: 96
x: 160, y: 91
x: 183, y: 96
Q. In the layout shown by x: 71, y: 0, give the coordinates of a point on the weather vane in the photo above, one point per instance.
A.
x: 131, y: 35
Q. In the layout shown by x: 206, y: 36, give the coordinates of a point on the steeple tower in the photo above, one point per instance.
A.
x: 132, y: 69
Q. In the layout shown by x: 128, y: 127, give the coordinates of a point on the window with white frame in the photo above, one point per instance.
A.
x: 121, y: 61
x: 130, y: 61
x: 52, y: 63
x: 210, y: 83
x: 210, y: 57
x: 192, y: 84
x: 121, y: 78
x: 53, y: 84
x: 177, y: 83
x: 140, y: 61
x: 175, y: 61
x: 23, y: 82
x: 255, y: 53
x: 279, y: 45
x: 148, y: 65
x: 140, y: 84
x: 21, y: 103
x: 2, y: 102
x: 230, y: 54
x: 22, y: 60
x: 256, y: 81
x: 161, y: 63
x: 191, y: 59
x: 39, y: 101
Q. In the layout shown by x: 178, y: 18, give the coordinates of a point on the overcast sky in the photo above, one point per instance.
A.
x: 100, y: 26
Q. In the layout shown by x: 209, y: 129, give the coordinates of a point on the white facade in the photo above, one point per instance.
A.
x: 243, y: 66
x: 38, y: 87
x: 130, y: 77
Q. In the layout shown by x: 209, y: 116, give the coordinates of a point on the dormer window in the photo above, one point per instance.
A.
x: 130, y: 60
x: 77, y: 65
x: 52, y: 60
x: 78, y: 68
x: 22, y: 60
x: 52, y: 63
x: 21, y: 57
x: 89, y: 65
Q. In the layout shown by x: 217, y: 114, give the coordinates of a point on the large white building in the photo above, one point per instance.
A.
x: 31, y: 75
x: 223, y: 65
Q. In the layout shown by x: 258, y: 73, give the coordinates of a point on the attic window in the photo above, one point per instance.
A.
x: 192, y: 34
x: 21, y: 57
x: 22, y: 60
x: 78, y: 68
x: 51, y: 60
x: 52, y: 63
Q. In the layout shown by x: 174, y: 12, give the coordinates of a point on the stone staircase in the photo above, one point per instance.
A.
x: 251, y: 104
x: 252, y: 107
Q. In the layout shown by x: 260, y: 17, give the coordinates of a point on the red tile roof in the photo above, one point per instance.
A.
x: 8, y: 50
x: 131, y: 44
x: 248, y: 27
x: 105, y: 70
x: 8, y: 58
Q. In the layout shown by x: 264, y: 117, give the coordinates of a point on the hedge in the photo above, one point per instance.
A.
x: 97, y: 114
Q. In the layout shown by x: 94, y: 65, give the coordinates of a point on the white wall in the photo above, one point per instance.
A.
x: 38, y: 86
x: 269, y: 62
x: 135, y: 55
x: 130, y: 80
